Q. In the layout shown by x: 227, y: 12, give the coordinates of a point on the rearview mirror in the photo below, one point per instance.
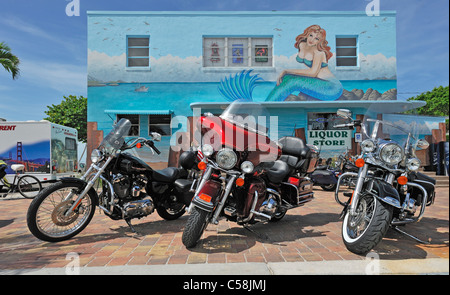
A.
x: 155, y: 136
x: 422, y: 144
x: 344, y: 113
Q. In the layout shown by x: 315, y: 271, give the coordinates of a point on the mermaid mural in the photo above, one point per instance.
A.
x: 316, y: 80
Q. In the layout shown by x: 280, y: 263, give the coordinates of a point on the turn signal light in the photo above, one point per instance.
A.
x: 139, y: 145
x: 402, y: 180
x: 360, y: 163
x: 201, y: 165
x: 240, y: 182
x: 205, y: 198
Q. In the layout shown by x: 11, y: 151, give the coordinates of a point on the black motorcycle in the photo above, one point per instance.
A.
x: 127, y: 188
x: 325, y: 176
x: 389, y: 191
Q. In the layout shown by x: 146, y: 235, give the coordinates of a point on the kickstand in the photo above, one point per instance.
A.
x: 260, y: 235
x: 411, y: 236
x: 128, y: 221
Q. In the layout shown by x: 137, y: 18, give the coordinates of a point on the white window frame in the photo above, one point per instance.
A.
x: 138, y: 47
x: 157, y: 124
x: 249, y: 52
x: 355, y: 67
x: 138, y: 125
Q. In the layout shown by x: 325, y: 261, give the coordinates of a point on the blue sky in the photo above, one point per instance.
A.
x: 53, y: 46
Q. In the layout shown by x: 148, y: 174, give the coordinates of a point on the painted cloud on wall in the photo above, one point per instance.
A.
x: 103, y: 68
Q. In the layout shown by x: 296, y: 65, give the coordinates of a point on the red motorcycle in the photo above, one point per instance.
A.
x: 247, y: 177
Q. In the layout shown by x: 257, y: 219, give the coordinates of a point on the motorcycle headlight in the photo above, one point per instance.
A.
x: 413, y: 164
x: 226, y: 158
x: 391, y: 153
x: 96, y: 156
x: 247, y: 167
x: 368, y: 146
x: 207, y: 150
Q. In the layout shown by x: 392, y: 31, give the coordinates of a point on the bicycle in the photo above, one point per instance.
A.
x: 27, y: 185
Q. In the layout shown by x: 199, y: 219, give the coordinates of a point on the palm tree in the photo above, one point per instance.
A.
x: 8, y: 60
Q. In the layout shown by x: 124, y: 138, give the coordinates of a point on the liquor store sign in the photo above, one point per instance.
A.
x: 330, y: 139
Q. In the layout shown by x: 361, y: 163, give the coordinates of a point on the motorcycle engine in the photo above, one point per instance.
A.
x: 121, y: 185
x: 138, y: 209
x: 126, y: 187
x: 136, y: 203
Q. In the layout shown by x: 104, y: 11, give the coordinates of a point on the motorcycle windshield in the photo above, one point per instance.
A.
x: 406, y: 128
x: 116, y: 137
x: 248, y: 115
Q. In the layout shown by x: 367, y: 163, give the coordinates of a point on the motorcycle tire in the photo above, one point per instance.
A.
x: 51, y: 224
x: 379, y: 217
x: 195, y: 226
x: 278, y: 216
x: 329, y: 187
x: 171, y: 213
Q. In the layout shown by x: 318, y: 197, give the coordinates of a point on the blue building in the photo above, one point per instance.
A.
x: 152, y: 67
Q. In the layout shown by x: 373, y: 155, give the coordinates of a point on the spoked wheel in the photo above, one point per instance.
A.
x: 48, y: 217
x: 29, y: 186
x: 362, y: 232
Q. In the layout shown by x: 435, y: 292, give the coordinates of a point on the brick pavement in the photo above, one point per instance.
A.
x: 309, y: 233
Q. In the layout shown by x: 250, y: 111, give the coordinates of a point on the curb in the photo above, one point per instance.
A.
x: 429, y: 266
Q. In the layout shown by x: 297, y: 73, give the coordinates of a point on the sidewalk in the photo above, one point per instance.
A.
x: 306, y: 241
x: 430, y: 266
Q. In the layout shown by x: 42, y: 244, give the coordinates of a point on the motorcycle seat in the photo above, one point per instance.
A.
x: 295, y: 153
x: 169, y: 174
x: 278, y: 171
x: 294, y: 146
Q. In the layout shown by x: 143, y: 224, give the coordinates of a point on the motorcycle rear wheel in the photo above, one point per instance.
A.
x: 175, y: 211
x: 362, y: 232
x: 195, y: 226
x: 46, y: 216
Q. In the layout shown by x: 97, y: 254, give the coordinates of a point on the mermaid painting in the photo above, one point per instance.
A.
x: 316, y: 80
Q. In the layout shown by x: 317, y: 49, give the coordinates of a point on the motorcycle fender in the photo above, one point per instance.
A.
x: 206, y: 198
x: 387, y: 193
x: 82, y: 184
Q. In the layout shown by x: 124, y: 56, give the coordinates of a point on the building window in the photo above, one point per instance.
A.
x: 346, y: 51
x: 134, y: 119
x: 237, y: 52
x: 71, y: 144
x: 138, y: 52
x: 160, y: 124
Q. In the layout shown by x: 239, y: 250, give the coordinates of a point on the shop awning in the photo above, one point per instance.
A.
x: 139, y: 112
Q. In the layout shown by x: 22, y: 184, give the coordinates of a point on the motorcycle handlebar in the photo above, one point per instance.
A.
x: 151, y: 144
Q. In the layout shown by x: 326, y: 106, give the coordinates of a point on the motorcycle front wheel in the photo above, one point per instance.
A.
x: 195, y: 226
x: 47, y: 219
x: 362, y: 232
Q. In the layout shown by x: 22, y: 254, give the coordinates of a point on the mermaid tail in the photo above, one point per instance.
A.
x: 318, y: 88
x: 239, y: 86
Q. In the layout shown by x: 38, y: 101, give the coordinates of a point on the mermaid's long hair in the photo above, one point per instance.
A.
x: 323, y: 43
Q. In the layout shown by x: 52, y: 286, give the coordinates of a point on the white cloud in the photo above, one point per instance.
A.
x: 105, y: 68
x: 63, y: 77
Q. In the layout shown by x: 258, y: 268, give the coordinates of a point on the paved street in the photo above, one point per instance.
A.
x: 306, y: 234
